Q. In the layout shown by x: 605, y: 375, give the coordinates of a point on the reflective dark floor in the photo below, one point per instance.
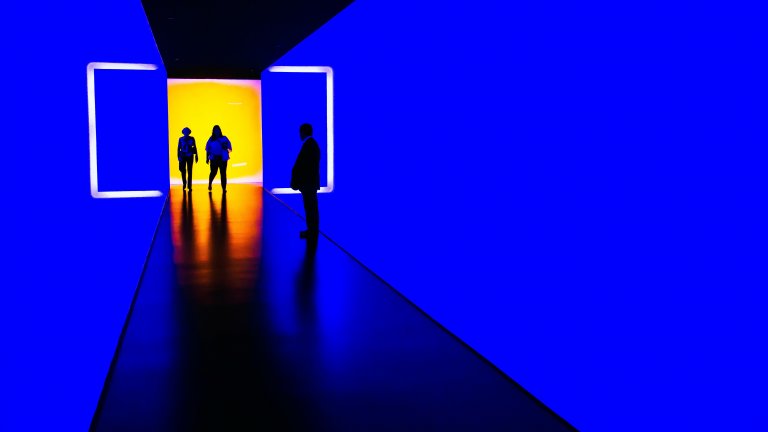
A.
x: 240, y: 325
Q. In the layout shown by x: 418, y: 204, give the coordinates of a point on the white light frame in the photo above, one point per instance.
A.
x: 328, y: 71
x: 95, y: 192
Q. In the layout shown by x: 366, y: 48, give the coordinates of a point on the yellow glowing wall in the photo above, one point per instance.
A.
x: 235, y: 105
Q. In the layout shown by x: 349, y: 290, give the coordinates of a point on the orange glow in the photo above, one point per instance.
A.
x: 217, y: 241
x: 235, y: 105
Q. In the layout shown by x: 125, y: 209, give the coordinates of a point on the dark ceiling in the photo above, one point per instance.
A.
x: 235, y: 39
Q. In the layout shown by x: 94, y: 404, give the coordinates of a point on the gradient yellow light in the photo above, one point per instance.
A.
x: 235, y: 105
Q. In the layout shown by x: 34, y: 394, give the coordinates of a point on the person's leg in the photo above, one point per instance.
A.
x: 310, y: 210
x: 314, y: 212
x: 214, y: 168
x: 182, y: 168
x: 223, y: 169
x: 305, y: 198
x: 190, y: 164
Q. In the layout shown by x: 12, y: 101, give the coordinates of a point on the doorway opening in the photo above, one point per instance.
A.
x: 234, y: 105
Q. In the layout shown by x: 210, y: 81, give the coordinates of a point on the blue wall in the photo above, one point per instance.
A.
x: 71, y: 262
x: 576, y: 189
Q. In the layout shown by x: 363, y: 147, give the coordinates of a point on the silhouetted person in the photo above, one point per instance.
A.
x: 217, y: 154
x: 305, y: 178
x: 186, y: 152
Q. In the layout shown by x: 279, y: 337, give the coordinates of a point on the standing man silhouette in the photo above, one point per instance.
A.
x: 186, y: 150
x: 305, y: 177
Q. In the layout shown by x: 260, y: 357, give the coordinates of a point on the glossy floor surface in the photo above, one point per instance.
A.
x: 240, y: 325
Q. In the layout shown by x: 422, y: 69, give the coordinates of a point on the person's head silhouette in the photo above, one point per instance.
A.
x: 305, y: 131
x: 186, y: 131
x: 216, y: 133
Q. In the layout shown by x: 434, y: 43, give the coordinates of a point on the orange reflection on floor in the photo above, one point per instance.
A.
x: 217, y: 241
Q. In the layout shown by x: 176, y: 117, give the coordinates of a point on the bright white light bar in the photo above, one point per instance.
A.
x: 92, y: 130
x: 286, y: 191
x: 329, y: 118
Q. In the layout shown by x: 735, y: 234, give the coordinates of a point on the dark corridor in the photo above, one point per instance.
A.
x: 240, y: 325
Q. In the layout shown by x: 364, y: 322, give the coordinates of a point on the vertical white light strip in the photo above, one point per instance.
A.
x: 329, y: 119
x: 92, y: 130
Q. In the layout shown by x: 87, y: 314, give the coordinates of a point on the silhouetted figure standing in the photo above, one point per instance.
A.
x: 217, y: 154
x: 305, y: 178
x: 186, y: 152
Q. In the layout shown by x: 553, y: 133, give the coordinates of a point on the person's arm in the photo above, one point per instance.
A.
x: 226, y: 144
x: 316, y: 156
x: 178, y: 151
x: 207, y: 151
x: 315, y: 164
x: 297, y: 173
x: 194, y: 149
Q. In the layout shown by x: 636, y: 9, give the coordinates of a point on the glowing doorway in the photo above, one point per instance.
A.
x: 235, y: 105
